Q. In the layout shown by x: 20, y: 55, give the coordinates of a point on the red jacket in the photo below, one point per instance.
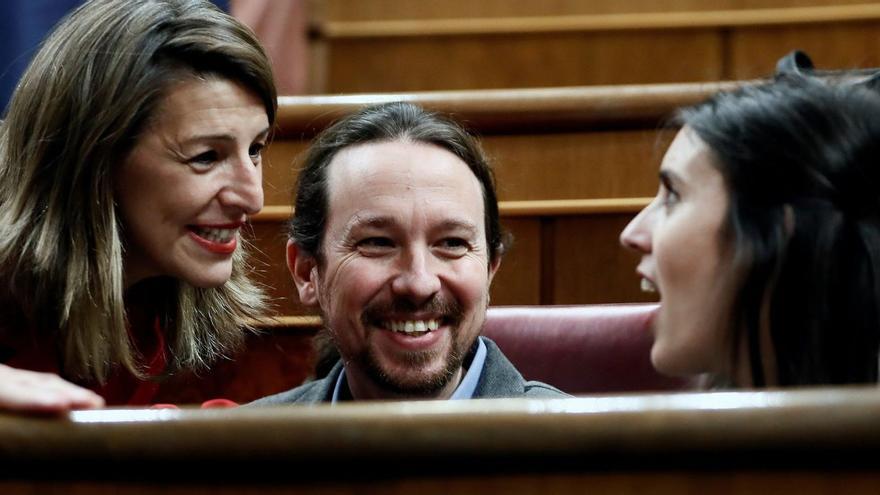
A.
x: 26, y: 350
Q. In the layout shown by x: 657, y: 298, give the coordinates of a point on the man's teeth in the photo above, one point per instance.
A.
x: 648, y: 286
x: 216, y: 235
x: 415, y: 326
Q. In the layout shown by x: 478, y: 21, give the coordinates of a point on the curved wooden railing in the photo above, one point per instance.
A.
x: 505, y: 110
x: 675, y: 443
x: 513, y: 209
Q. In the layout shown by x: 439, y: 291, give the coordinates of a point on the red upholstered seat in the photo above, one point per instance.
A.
x: 602, y: 348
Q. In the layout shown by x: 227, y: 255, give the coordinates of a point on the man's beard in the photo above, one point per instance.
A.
x: 426, y: 386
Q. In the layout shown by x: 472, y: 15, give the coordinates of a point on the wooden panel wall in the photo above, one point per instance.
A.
x: 577, y: 165
x: 279, y: 172
x: 562, y: 44
x: 531, y: 166
x: 424, y: 63
x: 588, y: 262
x: 842, y: 46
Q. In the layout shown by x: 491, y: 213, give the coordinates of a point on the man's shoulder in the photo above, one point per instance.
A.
x: 306, y: 393
x: 313, y: 392
x: 500, y: 378
x: 540, y: 390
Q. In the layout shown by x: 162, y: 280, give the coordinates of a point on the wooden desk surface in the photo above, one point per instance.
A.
x: 819, y: 440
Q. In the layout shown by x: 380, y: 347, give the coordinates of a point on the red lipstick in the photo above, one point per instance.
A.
x: 225, y: 248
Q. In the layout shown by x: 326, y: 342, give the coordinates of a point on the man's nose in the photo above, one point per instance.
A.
x: 417, y: 280
x: 244, y: 189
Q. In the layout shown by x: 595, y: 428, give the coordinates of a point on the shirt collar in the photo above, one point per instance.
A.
x: 468, y: 385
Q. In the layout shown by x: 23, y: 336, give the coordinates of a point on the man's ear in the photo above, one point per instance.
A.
x: 304, y: 270
x: 493, y: 267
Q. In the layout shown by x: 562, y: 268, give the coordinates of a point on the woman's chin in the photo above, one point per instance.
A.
x: 671, y: 363
x: 208, y: 279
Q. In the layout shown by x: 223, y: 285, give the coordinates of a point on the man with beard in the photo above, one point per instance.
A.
x: 396, y: 238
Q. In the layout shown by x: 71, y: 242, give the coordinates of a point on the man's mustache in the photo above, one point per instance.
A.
x: 450, y: 311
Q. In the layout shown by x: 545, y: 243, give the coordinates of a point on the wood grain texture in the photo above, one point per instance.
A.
x: 531, y: 166
x: 590, y: 266
x: 571, y: 47
x: 638, y: 482
x: 364, y: 10
x: 513, y: 209
x: 512, y: 111
x: 518, y: 280
x: 577, y: 165
x: 516, y: 60
x: 666, y: 21
x: 821, y: 440
x: 280, y: 169
x: 831, y: 46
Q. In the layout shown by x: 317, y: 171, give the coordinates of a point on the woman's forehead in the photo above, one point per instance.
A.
x: 689, y: 158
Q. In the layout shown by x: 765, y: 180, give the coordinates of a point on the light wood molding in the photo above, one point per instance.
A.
x: 497, y: 110
x: 599, y: 22
x: 510, y: 209
x: 287, y: 322
x: 563, y: 207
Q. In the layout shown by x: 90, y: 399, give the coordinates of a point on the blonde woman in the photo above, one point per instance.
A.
x: 129, y: 164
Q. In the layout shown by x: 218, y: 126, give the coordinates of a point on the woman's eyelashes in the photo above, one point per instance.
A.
x: 204, y: 160
x: 669, y: 196
x: 256, y: 152
x: 207, y: 159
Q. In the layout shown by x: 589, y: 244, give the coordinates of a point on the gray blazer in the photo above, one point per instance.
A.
x: 499, y: 379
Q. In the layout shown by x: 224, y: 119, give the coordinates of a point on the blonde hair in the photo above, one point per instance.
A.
x: 74, y: 116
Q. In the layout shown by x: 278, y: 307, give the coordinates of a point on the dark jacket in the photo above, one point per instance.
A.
x: 499, y: 379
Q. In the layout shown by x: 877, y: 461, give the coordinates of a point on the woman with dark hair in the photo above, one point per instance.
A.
x: 129, y: 163
x: 764, y: 238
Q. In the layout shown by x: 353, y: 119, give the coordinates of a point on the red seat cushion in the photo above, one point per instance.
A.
x: 602, y: 348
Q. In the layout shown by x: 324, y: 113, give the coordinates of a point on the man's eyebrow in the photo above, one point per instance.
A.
x: 360, y: 221
x: 453, y: 224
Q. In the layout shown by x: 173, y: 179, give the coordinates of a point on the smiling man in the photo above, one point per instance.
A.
x: 396, y: 238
